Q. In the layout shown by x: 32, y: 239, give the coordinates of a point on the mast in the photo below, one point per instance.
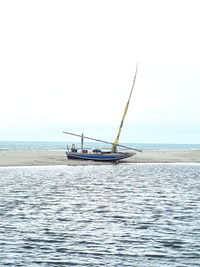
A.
x: 115, y: 144
x: 82, y: 142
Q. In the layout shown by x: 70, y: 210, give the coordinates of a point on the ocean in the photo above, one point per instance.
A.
x: 25, y: 145
x: 108, y: 215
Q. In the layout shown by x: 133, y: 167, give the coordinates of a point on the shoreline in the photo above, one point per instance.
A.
x: 12, y: 158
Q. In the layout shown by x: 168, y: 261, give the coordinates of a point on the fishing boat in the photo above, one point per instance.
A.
x: 99, y: 155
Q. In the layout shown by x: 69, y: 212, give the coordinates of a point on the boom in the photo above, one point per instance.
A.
x: 98, y: 140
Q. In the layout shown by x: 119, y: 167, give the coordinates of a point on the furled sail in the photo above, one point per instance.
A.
x: 114, y: 147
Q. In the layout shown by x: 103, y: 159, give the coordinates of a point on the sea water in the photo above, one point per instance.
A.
x: 25, y: 145
x: 108, y: 215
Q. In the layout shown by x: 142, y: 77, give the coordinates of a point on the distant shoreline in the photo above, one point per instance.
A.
x: 48, y: 158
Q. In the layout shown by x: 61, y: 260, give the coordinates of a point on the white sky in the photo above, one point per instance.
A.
x: 69, y: 66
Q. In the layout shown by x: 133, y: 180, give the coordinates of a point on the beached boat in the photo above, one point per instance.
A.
x: 97, y: 154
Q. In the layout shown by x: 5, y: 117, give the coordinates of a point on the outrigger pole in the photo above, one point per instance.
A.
x: 98, y: 140
x: 115, y: 144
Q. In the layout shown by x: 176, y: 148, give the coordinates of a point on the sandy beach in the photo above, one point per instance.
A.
x: 46, y: 158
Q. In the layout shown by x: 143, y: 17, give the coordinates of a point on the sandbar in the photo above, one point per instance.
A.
x: 48, y: 158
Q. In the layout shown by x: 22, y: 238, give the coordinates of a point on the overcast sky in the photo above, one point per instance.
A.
x: 69, y: 66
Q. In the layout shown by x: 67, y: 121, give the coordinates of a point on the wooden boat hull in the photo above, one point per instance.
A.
x: 99, y: 156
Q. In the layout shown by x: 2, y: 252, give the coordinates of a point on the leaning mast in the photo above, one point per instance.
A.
x: 116, y: 142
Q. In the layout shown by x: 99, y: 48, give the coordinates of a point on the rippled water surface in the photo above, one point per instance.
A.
x: 123, y: 215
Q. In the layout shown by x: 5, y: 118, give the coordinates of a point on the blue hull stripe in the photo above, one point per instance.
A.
x: 97, y: 157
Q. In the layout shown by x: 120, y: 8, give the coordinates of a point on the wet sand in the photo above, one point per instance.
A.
x: 47, y: 158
